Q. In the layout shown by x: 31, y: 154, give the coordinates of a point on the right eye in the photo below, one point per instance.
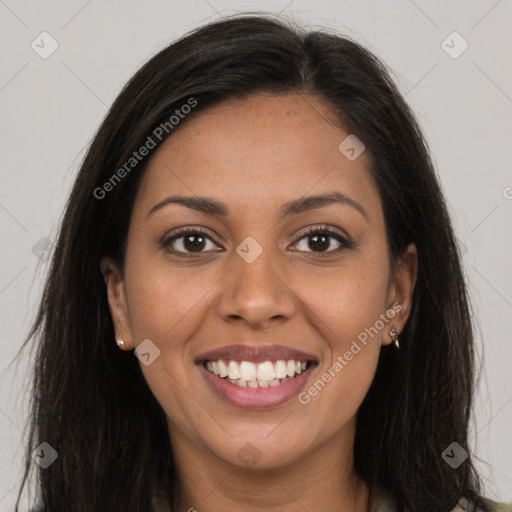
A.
x: 187, y: 242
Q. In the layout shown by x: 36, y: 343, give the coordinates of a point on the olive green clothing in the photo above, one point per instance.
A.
x: 385, y: 503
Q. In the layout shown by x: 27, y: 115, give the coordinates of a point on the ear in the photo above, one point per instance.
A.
x: 401, y: 289
x: 114, y: 281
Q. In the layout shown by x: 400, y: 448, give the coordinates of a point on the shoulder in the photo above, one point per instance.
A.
x: 502, y: 507
x: 465, y: 506
x: 384, y: 502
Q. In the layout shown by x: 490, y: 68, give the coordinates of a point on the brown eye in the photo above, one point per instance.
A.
x: 188, y: 241
x: 320, y: 240
x: 191, y: 241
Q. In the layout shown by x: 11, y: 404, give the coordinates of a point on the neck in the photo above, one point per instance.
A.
x: 323, y: 479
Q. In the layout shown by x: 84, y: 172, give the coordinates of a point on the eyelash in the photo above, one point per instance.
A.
x: 323, y: 230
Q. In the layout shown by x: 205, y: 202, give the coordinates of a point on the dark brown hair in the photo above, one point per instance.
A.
x: 91, y: 402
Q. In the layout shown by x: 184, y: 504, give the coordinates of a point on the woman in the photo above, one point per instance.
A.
x: 259, y: 222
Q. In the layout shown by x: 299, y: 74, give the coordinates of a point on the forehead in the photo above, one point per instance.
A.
x: 262, y: 149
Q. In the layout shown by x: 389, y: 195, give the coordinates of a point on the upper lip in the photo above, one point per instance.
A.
x: 256, y: 354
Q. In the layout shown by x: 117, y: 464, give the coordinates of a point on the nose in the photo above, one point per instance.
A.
x: 256, y: 293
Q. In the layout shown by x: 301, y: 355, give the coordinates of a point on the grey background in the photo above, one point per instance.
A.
x: 50, y: 109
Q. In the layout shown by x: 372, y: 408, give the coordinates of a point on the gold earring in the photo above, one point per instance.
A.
x: 394, y: 336
x: 120, y: 341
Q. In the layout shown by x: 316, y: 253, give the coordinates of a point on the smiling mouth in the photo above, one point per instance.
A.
x: 257, y: 375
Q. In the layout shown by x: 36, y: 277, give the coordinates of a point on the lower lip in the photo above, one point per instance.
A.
x: 256, y: 398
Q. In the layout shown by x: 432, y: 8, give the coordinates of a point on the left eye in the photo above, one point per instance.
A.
x: 320, y: 238
x: 192, y: 241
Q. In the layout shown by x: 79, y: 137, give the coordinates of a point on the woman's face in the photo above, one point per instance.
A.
x: 255, y: 290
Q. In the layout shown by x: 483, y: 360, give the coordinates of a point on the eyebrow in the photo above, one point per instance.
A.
x: 213, y: 207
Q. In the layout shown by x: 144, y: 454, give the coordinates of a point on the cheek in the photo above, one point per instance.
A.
x: 164, y: 302
x: 348, y: 302
x: 167, y: 306
x: 349, y: 311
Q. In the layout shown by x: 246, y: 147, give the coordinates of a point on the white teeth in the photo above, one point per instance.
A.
x: 281, y: 370
x: 255, y: 383
x: 266, y: 371
x: 247, y: 371
x: 223, y: 371
x: 290, y: 365
x: 253, y: 375
x: 233, y: 370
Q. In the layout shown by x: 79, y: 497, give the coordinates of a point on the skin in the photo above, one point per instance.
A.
x: 254, y: 155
